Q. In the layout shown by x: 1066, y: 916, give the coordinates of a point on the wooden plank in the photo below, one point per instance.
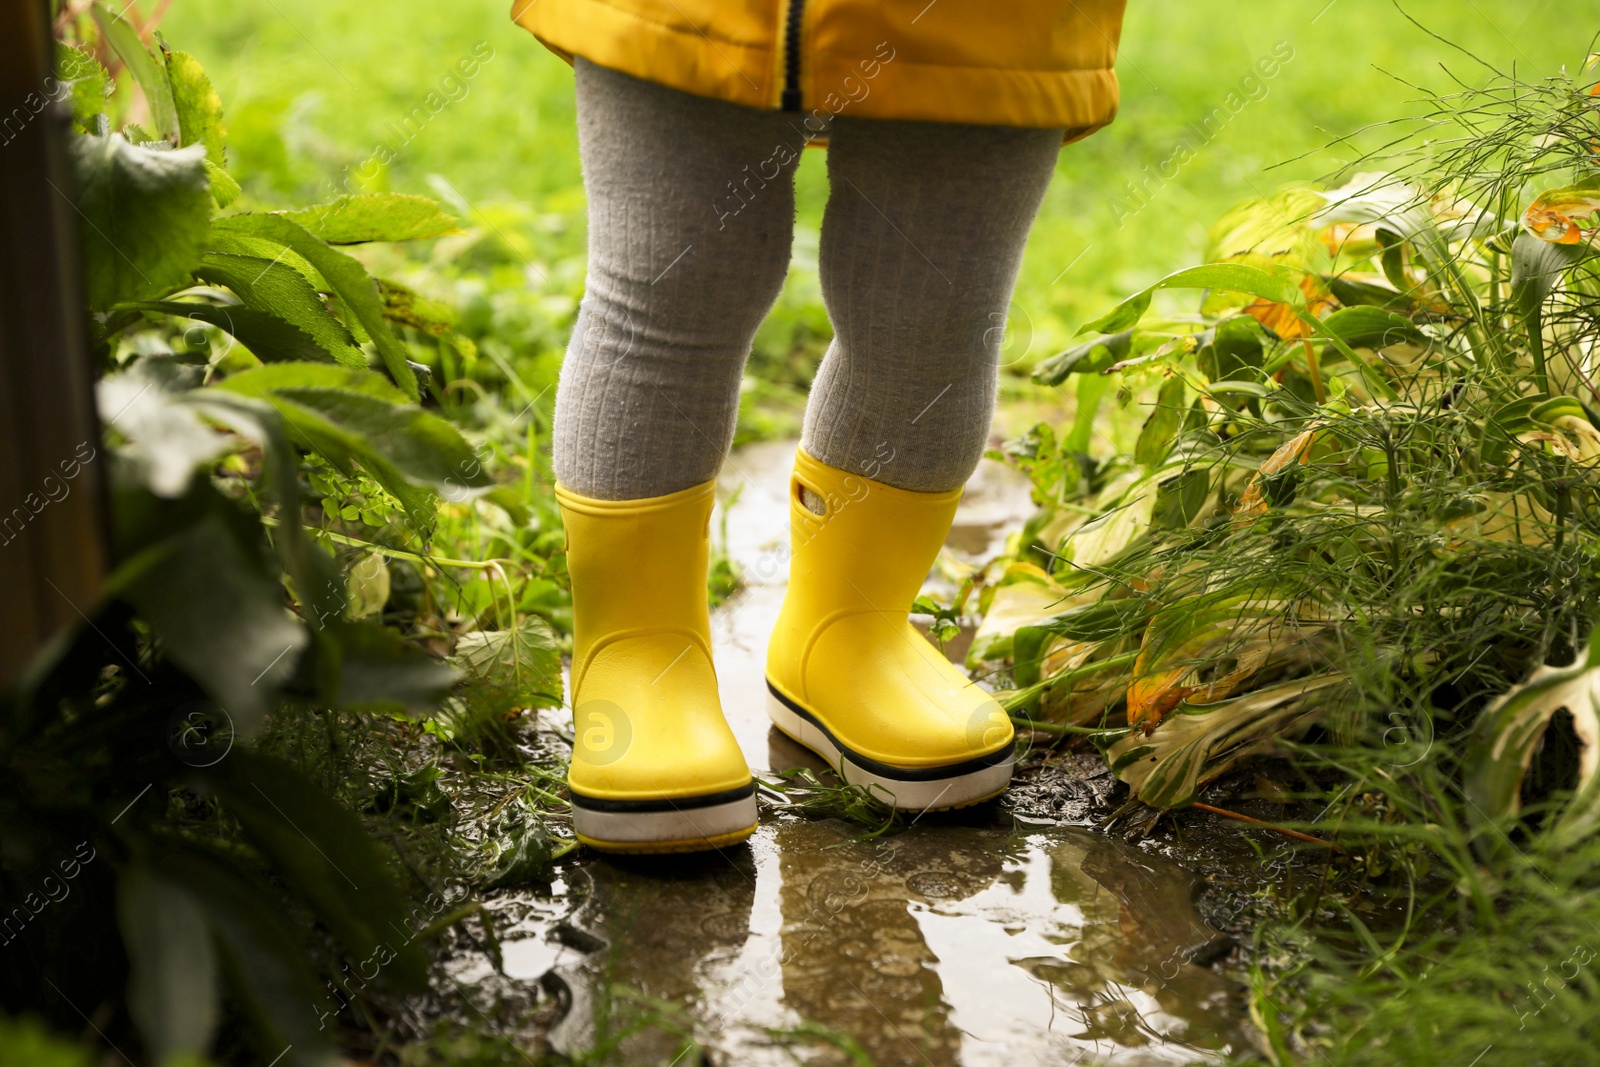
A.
x: 54, y: 542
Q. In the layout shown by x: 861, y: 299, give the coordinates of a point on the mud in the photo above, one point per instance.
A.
x: 1002, y: 935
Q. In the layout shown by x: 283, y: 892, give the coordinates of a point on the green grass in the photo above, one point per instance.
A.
x: 313, y: 87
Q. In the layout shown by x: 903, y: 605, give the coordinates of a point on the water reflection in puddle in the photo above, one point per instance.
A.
x: 945, y: 944
x: 962, y: 940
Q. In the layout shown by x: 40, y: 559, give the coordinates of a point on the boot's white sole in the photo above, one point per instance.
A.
x: 956, y: 785
x: 677, y: 824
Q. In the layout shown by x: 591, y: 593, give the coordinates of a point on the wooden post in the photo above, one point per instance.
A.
x: 54, y: 543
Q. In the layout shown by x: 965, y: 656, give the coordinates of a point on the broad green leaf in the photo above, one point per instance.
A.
x: 1501, y: 428
x: 1232, y: 349
x: 1558, y: 407
x: 311, y: 570
x: 1181, y: 499
x: 389, y: 440
x: 1091, y: 357
x: 1365, y: 326
x: 1255, y: 389
x: 1268, y: 231
x: 1161, y: 428
x: 344, y: 413
x: 1536, y: 268
x: 366, y: 583
x: 367, y: 217
x: 1199, y: 742
x: 173, y: 987
x: 510, y: 669
x: 167, y: 440
x: 341, y: 446
x: 1092, y: 390
x: 266, y: 335
x: 509, y: 499
x: 377, y: 671
x: 410, y: 308
x: 281, y: 291
x: 219, y: 615
x: 198, y: 107
x: 148, y: 70
x: 259, y: 381
x: 145, y: 215
x: 1109, y: 535
x: 1123, y: 317
x: 1099, y: 621
x: 1277, y: 286
x: 1393, y: 259
x: 1352, y: 293
x: 1510, y: 731
x: 946, y: 622
x: 1015, y: 605
x: 325, y: 855
x: 224, y: 190
x: 243, y: 244
x: 348, y: 278
x: 1390, y: 205
x: 91, y: 85
x: 265, y: 955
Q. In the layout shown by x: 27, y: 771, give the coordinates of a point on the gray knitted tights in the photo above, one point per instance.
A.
x: 691, y: 212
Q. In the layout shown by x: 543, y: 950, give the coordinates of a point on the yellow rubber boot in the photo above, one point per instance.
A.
x: 654, y: 766
x: 850, y: 677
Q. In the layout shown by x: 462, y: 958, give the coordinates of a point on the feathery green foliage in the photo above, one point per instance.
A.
x: 1364, y: 508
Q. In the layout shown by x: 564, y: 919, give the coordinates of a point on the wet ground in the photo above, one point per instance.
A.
x: 968, y: 938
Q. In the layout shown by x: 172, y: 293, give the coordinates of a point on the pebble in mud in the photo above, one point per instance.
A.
x: 936, y: 884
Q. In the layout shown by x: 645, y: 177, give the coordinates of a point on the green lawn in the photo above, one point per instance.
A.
x: 313, y: 90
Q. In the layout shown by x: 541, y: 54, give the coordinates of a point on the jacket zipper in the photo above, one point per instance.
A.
x: 790, y: 100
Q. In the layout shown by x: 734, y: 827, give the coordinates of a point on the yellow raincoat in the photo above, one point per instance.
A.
x: 1039, y: 63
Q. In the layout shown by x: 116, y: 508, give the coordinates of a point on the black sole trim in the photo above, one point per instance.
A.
x: 703, y: 800
x: 889, y: 770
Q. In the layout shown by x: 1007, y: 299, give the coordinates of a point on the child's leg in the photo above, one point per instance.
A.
x: 691, y: 213
x: 921, y: 242
x: 920, y: 246
x: 691, y: 207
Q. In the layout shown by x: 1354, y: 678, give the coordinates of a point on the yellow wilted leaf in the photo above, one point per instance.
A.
x: 1284, y: 320
x: 1565, y: 216
x: 1294, y: 450
x: 1268, y: 232
x: 1166, y: 767
x: 1182, y: 639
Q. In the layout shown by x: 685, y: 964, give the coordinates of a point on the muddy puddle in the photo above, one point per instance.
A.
x: 969, y: 938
